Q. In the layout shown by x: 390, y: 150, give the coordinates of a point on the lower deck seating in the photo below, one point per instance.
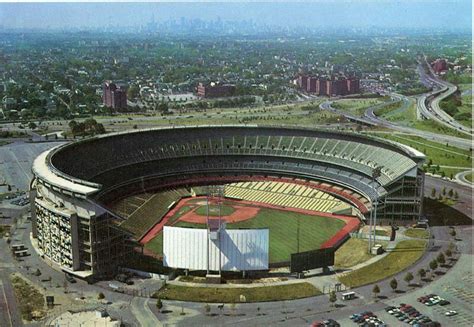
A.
x: 152, y: 211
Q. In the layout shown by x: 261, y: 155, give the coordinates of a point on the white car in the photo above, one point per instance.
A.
x: 451, y: 313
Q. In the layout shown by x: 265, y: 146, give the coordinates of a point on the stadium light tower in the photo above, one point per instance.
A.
x: 215, y: 193
x: 376, y: 173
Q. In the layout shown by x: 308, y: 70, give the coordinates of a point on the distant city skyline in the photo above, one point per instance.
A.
x: 450, y: 15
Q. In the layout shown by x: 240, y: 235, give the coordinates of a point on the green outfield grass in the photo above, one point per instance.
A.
x: 283, y: 226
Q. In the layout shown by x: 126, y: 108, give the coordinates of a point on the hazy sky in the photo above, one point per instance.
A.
x: 382, y: 13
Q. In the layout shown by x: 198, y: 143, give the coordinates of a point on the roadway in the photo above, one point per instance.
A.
x: 428, y: 103
x: 370, y: 118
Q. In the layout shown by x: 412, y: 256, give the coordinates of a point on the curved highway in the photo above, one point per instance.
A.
x: 370, y: 118
x: 428, y: 103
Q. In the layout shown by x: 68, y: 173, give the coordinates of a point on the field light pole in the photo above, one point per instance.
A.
x: 376, y: 173
x: 207, y: 221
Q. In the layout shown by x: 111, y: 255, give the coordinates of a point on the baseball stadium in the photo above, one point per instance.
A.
x: 96, y: 200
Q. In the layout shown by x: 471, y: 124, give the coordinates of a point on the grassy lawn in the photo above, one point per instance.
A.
x: 356, y: 106
x: 404, y: 115
x: 417, y: 233
x: 30, y: 299
x: 381, y: 232
x: 306, y: 113
x: 353, y: 252
x: 283, y: 226
x: 408, y: 118
x: 438, y: 153
x: 214, y: 210
x: 469, y: 177
x: 459, y: 105
x: 404, y: 255
x: 435, y: 127
x: 448, y: 172
x: 232, y: 295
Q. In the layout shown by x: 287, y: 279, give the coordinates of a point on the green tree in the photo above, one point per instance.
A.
x: 72, y: 124
x: 421, y: 273
x: 376, y: 290
x: 450, y: 192
x: 394, y: 284
x: 159, y: 304
x: 433, y: 192
x: 452, y: 232
x: 408, y: 278
x: 448, y: 253
x: 441, y: 259
x: 32, y: 125
x: 163, y: 107
x: 433, y: 265
x: 332, y: 297
x: 207, y: 308
x: 101, y: 296
x: 132, y: 91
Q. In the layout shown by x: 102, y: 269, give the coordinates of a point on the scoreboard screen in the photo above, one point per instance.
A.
x: 312, y: 259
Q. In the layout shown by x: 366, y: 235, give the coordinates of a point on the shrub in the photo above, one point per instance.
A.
x: 393, y: 284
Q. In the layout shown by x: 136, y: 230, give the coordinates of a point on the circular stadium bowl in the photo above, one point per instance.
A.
x: 75, y: 183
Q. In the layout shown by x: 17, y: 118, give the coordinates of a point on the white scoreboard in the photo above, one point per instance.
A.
x: 239, y: 249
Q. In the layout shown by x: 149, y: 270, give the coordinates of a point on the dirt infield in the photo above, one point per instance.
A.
x: 240, y: 214
x: 246, y: 210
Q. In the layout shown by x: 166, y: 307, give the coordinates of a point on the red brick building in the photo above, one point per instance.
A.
x: 353, y: 85
x: 311, y: 84
x: 439, y: 65
x: 214, y: 90
x: 302, y: 82
x: 329, y: 87
x: 114, y: 96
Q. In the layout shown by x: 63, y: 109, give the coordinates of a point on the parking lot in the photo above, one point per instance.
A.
x: 16, y: 160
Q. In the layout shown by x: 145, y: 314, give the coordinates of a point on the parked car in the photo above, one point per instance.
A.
x: 451, y: 313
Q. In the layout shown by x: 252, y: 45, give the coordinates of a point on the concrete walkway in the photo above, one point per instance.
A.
x: 143, y: 314
x: 461, y: 178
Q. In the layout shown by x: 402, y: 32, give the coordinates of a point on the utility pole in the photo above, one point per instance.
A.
x: 298, y: 235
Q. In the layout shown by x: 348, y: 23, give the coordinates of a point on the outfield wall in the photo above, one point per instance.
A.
x: 239, y: 249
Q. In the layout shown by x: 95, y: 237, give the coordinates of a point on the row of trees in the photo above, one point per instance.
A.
x: 87, y: 127
x: 452, y: 194
x: 439, y: 261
